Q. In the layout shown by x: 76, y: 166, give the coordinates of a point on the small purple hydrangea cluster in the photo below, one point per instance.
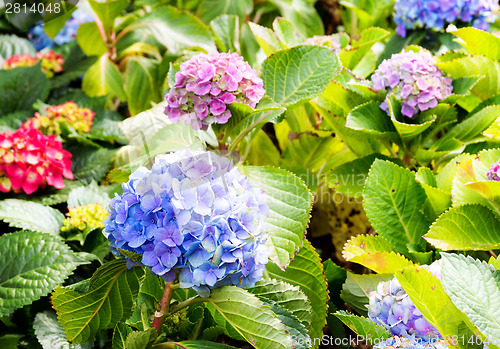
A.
x: 40, y: 39
x: 206, y: 84
x: 437, y: 14
x: 411, y: 342
x: 414, y: 79
x: 493, y: 173
x: 194, y: 217
x: 391, y: 307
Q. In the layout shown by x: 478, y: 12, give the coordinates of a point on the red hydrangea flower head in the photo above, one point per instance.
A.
x: 30, y: 160
x: 51, y: 62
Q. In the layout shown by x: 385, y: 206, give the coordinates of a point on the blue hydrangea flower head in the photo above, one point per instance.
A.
x: 411, y: 342
x: 414, y: 80
x: 193, y: 216
x: 391, y: 307
x: 40, y: 39
x: 435, y: 15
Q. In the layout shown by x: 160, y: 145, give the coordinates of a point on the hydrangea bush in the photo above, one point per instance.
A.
x: 436, y: 15
x: 415, y: 81
x: 206, y: 84
x: 51, y: 62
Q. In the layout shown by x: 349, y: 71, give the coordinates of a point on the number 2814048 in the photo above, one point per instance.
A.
x: 15, y: 8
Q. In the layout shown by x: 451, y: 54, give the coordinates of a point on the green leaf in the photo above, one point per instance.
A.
x: 140, y: 83
x: 479, y: 42
x: 362, y: 244
x: 11, y: 45
x: 200, y: 344
x: 10, y: 341
x: 53, y: 24
x: 285, y: 295
x: 92, y: 164
x: 408, y: 131
x: 103, y: 78
x: 303, y: 14
x: 352, y: 58
x: 41, y: 218
x: 286, y: 32
x: 306, y: 271
x: 176, y: 30
x: 109, y: 299
x: 210, y: 9
x: 363, y: 326
x: 120, y: 334
x: 227, y: 31
x: 244, y: 317
x: 89, y: 194
x: 371, y: 119
x: 267, y: 39
x: 392, y: 200
x: 289, y: 203
x: 350, y: 178
x: 475, y: 289
x: 141, y: 339
x: 50, y: 333
x: 21, y: 87
x: 428, y: 295
x: 357, y: 288
x: 90, y: 40
x: 31, y: 265
x: 339, y: 100
x: 294, y: 75
x: 467, y: 227
x: 445, y: 177
x: 108, y: 10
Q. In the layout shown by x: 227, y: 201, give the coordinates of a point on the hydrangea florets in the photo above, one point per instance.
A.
x: 437, y: 14
x: 414, y: 79
x: 411, y: 342
x: 493, y: 173
x: 51, y: 62
x: 206, y: 84
x: 29, y: 159
x: 329, y: 41
x: 78, y: 118
x: 40, y: 39
x: 193, y: 216
x: 391, y: 307
x: 81, y: 218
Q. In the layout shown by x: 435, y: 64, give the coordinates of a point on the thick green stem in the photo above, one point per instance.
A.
x: 164, y: 306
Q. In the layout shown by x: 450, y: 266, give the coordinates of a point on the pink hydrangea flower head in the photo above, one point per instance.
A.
x: 16, y: 61
x: 493, y: 173
x: 80, y: 119
x: 29, y: 160
x: 206, y: 84
x: 415, y: 81
x: 51, y: 62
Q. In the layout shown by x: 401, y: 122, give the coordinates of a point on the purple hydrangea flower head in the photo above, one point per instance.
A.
x: 195, y: 217
x: 493, y: 173
x: 437, y: 14
x: 391, y: 307
x: 206, y: 84
x: 414, y: 79
x: 40, y: 39
x: 411, y: 342
x: 330, y: 41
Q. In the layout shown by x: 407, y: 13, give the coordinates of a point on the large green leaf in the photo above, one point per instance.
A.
x: 50, y: 333
x: 90, y: 40
x: 243, y: 316
x: 11, y: 45
x: 306, y: 271
x: 339, y: 100
x: 371, y: 119
x: 266, y: 38
x: 428, y: 295
x: 467, y: 227
x: 289, y: 203
x: 109, y: 299
x: 200, y: 344
x: 357, y: 288
x: 88, y: 194
x: 31, y: 216
x: 479, y: 42
x: 209, y: 9
x: 352, y: 57
x: 176, y: 30
x: 91, y: 164
x: 288, y: 296
x: 21, y: 87
x: 120, y: 334
x: 363, y: 326
x: 31, y: 265
x: 227, y: 30
x: 139, y: 77
x: 393, y: 200
x: 103, y: 78
x: 303, y: 14
x: 300, y: 73
x: 475, y: 289
x: 108, y: 10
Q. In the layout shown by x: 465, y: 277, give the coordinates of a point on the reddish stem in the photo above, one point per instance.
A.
x: 164, y: 304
